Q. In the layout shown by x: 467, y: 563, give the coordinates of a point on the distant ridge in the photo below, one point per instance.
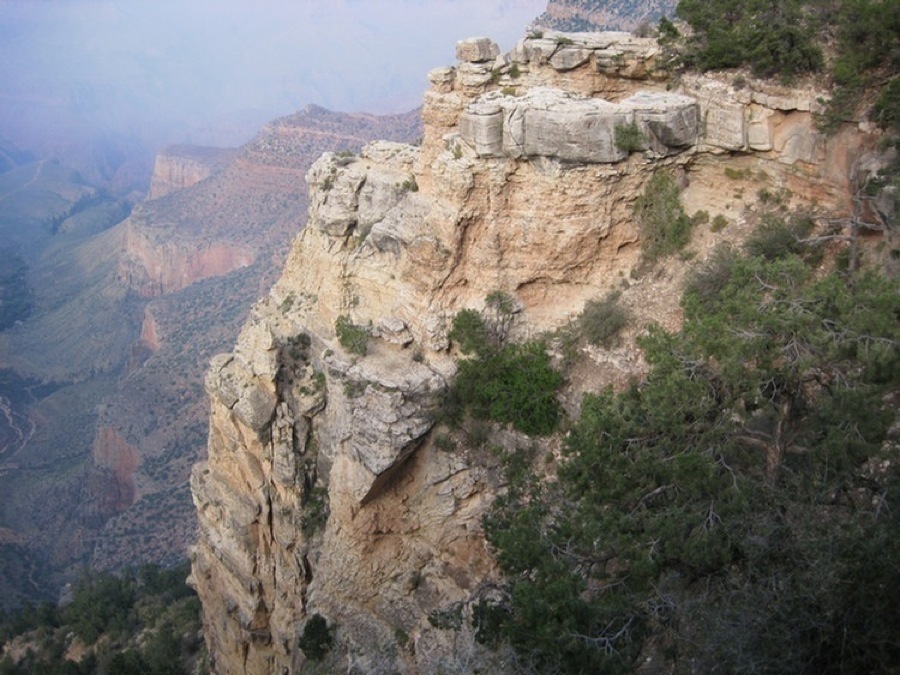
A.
x: 595, y: 15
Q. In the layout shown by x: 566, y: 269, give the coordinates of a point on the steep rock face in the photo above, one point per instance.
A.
x: 113, y: 454
x: 326, y: 490
x: 200, y: 256
x: 244, y: 211
x: 180, y: 166
x: 167, y: 266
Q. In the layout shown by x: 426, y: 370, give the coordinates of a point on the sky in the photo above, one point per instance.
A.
x: 210, y: 71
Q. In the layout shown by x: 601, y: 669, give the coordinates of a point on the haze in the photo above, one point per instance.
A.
x: 210, y: 72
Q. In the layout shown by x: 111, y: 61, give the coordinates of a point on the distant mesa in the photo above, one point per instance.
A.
x: 181, y: 166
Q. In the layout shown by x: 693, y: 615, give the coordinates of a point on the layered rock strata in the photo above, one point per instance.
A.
x: 181, y: 166
x: 327, y: 490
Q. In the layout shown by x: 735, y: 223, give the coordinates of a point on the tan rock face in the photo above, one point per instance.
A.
x: 149, y: 331
x: 152, y: 267
x: 180, y: 166
x: 115, y: 461
x: 325, y: 490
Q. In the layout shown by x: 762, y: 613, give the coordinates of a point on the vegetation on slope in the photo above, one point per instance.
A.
x: 16, y: 298
x: 145, y: 622
x: 505, y: 383
x: 732, y: 510
x: 788, y: 38
x: 593, y: 15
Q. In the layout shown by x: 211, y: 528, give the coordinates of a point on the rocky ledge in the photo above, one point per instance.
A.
x: 327, y: 490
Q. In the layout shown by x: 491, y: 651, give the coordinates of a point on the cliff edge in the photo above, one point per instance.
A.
x: 327, y: 490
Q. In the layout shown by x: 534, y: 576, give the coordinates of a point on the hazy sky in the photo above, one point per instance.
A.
x: 197, y: 69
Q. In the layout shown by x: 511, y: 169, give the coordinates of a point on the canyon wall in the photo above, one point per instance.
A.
x: 583, y: 15
x: 179, y: 166
x: 328, y: 490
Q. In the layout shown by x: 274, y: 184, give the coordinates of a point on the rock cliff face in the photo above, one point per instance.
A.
x: 196, y: 258
x: 327, y: 490
x: 106, y: 408
x: 247, y: 206
x: 180, y: 166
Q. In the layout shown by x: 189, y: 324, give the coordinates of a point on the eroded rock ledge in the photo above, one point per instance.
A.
x: 326, y: 490
x: 554, y: 123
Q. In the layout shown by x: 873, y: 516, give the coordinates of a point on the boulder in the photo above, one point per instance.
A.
x: 569, y: 57
x: 725, y: 126
x: 481, y: 125
x: 442, y: 79
x: 670, y: 122
x: 573, y: 131
x: 336, y: 196
x: 477, y: 50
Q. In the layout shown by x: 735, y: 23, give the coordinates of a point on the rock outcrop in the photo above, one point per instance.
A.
x: 556, y: 124
x: 327, y: 490
x: 180, y: 166
x: 245, y: 210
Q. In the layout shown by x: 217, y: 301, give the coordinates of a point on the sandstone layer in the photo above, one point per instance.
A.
x: 180, y: 166
x: 327, y: 490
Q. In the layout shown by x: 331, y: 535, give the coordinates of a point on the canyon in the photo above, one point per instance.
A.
x: 105, y: 409
x: 332, y: 489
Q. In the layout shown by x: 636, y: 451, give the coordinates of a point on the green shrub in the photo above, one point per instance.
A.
x: 447, y: 618
x: 667, y: 30
x: 603, y: 320
x: 469, y: 331
x: 355, y: 388
x: 665, y: 227
x: 628, y: 137
x: 401, y: 637
x: 512, y: 385
x: 777, y: 236
x: 315, y: 511
x: 445, y: 443
x: 352, y: 337
x: 704, y: 286
x: 699, y: 509
x: 316, y: 639
x: 886, y: 112
x: 719, y: 223
x: 773, y: 38
x: 298, y: 346
x: 738, y: 174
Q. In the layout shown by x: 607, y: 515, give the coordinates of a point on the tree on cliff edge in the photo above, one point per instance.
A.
x: 733, y: 510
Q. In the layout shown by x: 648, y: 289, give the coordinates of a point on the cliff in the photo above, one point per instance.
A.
x: 180, y: 166
x: 328, y: 489
x: 102, y: 380
x: 244, y: 210
x: 198, y: 256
